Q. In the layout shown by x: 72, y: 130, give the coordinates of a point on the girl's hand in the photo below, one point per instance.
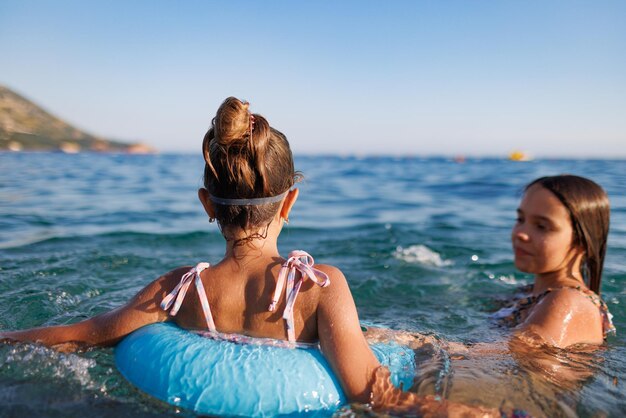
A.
x: 386, y: 397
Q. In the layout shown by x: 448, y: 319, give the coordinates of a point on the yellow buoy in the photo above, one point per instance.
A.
x: 519, y: 156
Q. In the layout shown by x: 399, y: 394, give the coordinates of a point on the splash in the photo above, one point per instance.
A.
x: 67, y: 300
x: 421, y: 254
x: 38, y: 361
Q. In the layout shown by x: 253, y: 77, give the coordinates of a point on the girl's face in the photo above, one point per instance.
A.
x: 542, y: 236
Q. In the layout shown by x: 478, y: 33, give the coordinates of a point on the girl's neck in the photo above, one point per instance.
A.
x: 254, y: 248
x: 557, y: 279
x: 241, y: 244
x: 568, y: 275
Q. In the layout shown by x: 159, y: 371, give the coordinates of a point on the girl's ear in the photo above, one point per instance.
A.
x: 290, y: 199
x: 203, y: 195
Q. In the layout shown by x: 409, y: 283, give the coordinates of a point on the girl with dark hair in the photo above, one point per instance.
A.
x: 560, y: 236
x: 248, y: 189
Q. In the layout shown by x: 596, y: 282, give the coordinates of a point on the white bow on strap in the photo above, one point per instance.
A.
x: 302, y: 262
x: 177, y: 295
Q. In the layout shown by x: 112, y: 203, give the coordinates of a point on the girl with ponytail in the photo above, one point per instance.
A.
x: 248, y: 189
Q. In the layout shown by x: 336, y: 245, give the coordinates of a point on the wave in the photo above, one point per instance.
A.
x: 61, y: 237
x: 421, y: 254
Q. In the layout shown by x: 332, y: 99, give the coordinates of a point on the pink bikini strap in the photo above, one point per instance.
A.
x: 177, y: 295
x: 302, y: 262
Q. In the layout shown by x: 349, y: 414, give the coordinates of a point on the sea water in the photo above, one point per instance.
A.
x: 423, y: 242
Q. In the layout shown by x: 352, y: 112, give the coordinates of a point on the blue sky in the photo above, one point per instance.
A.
x: 347, y: 77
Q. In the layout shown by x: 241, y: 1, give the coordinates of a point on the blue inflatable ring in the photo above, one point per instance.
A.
x: 217, y: 377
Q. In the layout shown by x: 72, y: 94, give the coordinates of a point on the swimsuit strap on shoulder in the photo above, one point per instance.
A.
x: 177, y: 295
x: 302, y: 262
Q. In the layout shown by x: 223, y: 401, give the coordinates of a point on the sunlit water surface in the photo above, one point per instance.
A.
x: 424, y: 244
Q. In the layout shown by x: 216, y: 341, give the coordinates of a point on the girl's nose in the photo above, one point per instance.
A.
x: 519, y: 232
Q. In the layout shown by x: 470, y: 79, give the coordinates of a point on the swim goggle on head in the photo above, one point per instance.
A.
x: 248, y: 202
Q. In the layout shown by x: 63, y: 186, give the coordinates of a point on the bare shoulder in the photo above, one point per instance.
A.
x: 337, y: 293
x: 162, y: 285
x: 174, y: 276
x: 331, y: 271
x: 337, y: 279
x: 564, y: 317
x: 145, y: 305
x: 568, y: 300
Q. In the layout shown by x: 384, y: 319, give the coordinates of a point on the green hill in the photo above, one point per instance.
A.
x: 24, y: 126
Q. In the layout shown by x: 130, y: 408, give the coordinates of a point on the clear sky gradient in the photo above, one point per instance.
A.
x: 348, y: 77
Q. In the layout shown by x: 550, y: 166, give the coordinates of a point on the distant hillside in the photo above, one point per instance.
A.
x: 24, y: 126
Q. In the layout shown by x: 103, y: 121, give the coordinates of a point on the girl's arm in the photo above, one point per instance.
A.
x: 362, y: 377
x: 341, y: 339
x: 110, y: 327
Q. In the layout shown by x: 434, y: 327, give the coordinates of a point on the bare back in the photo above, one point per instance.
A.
x: 239, y: 295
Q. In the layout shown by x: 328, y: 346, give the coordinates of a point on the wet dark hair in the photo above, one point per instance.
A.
x: 245, y: 158
x: 589, y: 210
